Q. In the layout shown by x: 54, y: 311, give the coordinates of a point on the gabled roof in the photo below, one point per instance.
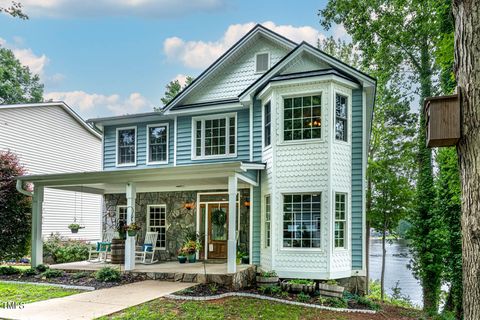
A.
x: 256, y: 31
x: 60, y: 104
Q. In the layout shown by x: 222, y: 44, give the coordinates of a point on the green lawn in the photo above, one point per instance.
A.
x: 27, y: 293
x: 232, y: 308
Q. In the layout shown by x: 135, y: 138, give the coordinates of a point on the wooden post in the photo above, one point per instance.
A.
x: 131, y: 193
x: 232, y: 213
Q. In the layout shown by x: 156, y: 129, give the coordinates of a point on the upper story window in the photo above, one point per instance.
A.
x: 267, y: 134
x: 262, y: 62
x: 267, y: 221
x: 126, y: 146
x: 157, y: 143
x: 341, y: 117
x: 340, y: 219
x: 215, y: 136
x: 301, y: 220
x: 302, y: 118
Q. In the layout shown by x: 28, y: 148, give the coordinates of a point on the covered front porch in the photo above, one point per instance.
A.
x: 227, y: 185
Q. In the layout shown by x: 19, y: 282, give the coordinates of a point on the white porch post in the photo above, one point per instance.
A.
x: 37, y: 243
x: 232, y: 234
x: 131, y: 193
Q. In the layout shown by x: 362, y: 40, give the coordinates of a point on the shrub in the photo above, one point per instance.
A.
x: 80, y: 275
x: 268, y: 274
x: 303, y: 297
x: 42, y: 268
x: 364, y: 301
x: 52, y: 273
x: 333, y: 302
x: 213, y: 287
x: 301, y: 281
x: 63, y: 250
x: 4, y: 271
x: 108, y: 274
x: 29, y: 272
x: 332, y: 282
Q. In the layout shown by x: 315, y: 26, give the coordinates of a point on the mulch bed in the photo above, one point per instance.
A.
x: 203, y: 290
x: 67, y: 279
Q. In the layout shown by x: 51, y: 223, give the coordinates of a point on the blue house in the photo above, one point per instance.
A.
x: 264, y: 153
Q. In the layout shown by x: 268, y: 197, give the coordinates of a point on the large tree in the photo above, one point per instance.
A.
x: 17, y: 83
x: 173, y: 88
x: 15, y: 10
x: 397, y: 37
x: 467, y: 70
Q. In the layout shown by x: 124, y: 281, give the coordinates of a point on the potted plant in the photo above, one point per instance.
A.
x: 267, y: 278
x: 331, y: 289
x: 298, y: 285
x: 132, y: 229
x: 74, y: 227
x: 182, y: 256
x: 190, y: 248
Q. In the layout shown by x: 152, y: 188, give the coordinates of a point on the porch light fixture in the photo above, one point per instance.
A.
x: 189, y: 205
x: 247, y: 202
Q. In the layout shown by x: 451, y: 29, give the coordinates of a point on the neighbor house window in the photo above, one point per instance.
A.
x: 341, y: 116
x: 267, y: 111
x: 215, y: 136
x: 267, y: 221
x: 302, y: 118
x: 340, y: 219
x: 156, y: 222
x: 262, y: 62
x: 126, y: 146
x: 121, y: 215
x: 301, y: 220
x: 157, y: 143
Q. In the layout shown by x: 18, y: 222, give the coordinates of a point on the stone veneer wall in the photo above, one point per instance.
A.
x: 180, y: 221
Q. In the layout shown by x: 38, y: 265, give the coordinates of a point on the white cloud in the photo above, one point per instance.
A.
x: 94, y: 104
x: 200, y: 54
x: 36, y: 63
x: 148, y: 8
x: 339, y: 32
x: 182, y: 79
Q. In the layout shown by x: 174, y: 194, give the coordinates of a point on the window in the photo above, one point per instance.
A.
x: 341, y: 115
x: 267, y: 113
x: 156, y: 221
x: 340, y: 219
x: 301, y: 220
x: 215, y: 136
x: 121, y: 215
x: 302, y: 118
x: 262, y: 62
x: 157, y: 143
x: 126, y: 146
x: 267, y: 221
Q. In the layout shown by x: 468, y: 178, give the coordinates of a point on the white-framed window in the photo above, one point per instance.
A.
x: 214, y: 136
x: 268, y: 217
x: 157, y: 143
x: 267, y: 126
x: 262, y: 62
x: 341, y: 117
x: 340, y: 220
x: 157, y: 222
x: 302, y: 118
x: 302, y: 220
x: 121, y: 214
x: 126, y: 146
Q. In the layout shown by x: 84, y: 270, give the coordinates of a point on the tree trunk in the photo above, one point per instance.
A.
x: 367, y: 234
x: 384, y: 253
x: 467, y: 69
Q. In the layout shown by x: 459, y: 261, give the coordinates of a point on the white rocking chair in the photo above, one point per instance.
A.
x: 142, y: 253
x: 102, y: 249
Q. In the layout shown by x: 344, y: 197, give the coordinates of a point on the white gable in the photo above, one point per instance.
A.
x: 236, y: 75
x: 303, y: 63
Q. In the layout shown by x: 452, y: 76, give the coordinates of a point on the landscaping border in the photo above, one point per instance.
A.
x: 63, y: 286
x: 258, y: 296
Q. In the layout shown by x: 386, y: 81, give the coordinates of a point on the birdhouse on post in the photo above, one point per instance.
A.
x: 442, y: 115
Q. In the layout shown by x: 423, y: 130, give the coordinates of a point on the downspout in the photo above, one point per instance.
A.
x: 23, y: 191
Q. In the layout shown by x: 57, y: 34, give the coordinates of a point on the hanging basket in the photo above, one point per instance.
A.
x: 74, y: 227
x: 219, y: 217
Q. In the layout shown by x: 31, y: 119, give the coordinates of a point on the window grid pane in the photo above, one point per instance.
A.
x: 157, y: 223
x: 218, y: 136
x: 157, y: 137
x: 340, y: 220
x: 301, y: 220
x: 268, y: 125
x: 302, y: 118
x: 122, y: 215
x: 126, y: 146
x: 267, y: 222
x: 341, y: 116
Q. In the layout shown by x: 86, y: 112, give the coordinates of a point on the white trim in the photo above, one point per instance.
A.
x: 130, y: 164
x: 264, y: 147
x: 227, y: 154
x: 364, y: 174
x: 256, y: 62
x: 164, y: 124
x: 264, y: 221
x: 117, y: 210
x: 165, y: 226
x: 224, y: 107
x: 175, y: 132
x: 348, y: 119
x: 250, y: 227
x: 252, y: 166
x: 246, y: 179
x: 250, y: 123
x: 346, y: 237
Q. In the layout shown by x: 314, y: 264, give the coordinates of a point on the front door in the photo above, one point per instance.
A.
x: 217, y: 230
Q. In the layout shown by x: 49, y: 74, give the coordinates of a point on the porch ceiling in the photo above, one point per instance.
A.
x: 191, y: 177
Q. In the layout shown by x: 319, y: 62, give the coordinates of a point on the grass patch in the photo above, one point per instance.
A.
x: 27, y: 293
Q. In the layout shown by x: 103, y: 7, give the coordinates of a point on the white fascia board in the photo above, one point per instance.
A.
x: 226, y: 107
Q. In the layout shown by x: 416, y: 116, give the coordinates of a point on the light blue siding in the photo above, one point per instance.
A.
x: 184, y: 140
x: 357, y: 177
x: 256, y: 227
x: 257, y: 130
x: 110, y: 133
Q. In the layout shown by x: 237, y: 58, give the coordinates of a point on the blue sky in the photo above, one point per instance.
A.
x: 108, y: 57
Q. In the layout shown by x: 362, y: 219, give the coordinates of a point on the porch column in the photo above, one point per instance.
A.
x: 37, y: 243
x: 232, y: 234
x: 131, y: 194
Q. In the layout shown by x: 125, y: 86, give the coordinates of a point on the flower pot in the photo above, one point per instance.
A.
x: 192, y: 258
x: 330, y: 290
x: 297, y: 288
x: 117, y: 251
x: 245, y: 260
x: 267, y: 281
x: 74, y: 230
x: 182, y: 259
x: 132, y: 233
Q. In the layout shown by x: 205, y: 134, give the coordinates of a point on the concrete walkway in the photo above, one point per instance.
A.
x: 90, y: 305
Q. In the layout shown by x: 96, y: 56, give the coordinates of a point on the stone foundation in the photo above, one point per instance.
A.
x: 355, y: 284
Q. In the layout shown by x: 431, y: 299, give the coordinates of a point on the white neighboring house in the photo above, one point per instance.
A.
x: 51, y: 138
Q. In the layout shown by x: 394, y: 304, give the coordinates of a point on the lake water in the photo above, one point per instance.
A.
x: 396, y: 269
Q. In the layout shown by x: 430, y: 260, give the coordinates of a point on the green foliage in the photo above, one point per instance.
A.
x: 108, y: 274
x: 173, y: 88
x: 332, y: 282
x: 15, y: 208
x: 63, y: 250
x: 15, y: 10
x: 268, y: 274
x: 303, y: 297
x: 17, y: 83
x: 42, y: 268
x: 52, y: 273
x: 333, y: 302
x: 301, y: 281
x: 398, y: 299
x: 9, y: 270
x: 29, y: 272
x: 27, y: 293
x: 273, y: 290
x: 80, y: 275
x: 213, y: 287
x: 74, y: 226
x: 342, y: 50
